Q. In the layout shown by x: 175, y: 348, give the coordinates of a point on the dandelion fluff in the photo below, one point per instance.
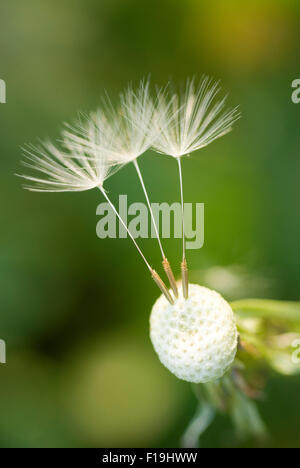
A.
x: 65, y: 169
x: 192, y: 119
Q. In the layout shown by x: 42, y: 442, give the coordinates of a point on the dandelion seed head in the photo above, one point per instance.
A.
x: 191, y: 119
x: 195, y: 338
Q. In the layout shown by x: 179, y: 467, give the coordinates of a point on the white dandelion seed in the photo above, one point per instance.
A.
x: 132, y: 123
x: 186, y: 122
x: 77, y: 167
x: 124, y: 132
x: 61, y: 171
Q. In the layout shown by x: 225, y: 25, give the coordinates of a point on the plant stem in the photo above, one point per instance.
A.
x: 200, y: 422
x: 184, y: 267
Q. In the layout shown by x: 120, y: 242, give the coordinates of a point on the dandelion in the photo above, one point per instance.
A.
x: 75, y: 168
x: 97, y: 146
x: 186, y: 122
x: 195, y: 335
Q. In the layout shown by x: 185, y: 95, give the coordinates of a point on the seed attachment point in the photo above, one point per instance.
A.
x: 170, y: 275
x: 185, y: 278
x: 162, y: 286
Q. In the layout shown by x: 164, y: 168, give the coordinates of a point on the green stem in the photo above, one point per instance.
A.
x: 202, y: 419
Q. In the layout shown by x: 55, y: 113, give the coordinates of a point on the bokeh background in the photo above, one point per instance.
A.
x: 74, y: 309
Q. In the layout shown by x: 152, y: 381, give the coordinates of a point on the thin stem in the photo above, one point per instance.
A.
x: 202, y: 419
x: 124, y: 225
x: 184, y: 267
x: 182, y: 207
x: 149, y: 206
x: 157, y: 279
x: 166, y: 264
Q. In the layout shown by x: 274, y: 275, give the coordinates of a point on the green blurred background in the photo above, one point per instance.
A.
x: 74, y: 310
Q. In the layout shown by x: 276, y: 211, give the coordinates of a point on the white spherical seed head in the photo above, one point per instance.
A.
x: 196, y: 339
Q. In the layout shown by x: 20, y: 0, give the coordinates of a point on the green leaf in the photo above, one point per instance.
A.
x: 266, y: 308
